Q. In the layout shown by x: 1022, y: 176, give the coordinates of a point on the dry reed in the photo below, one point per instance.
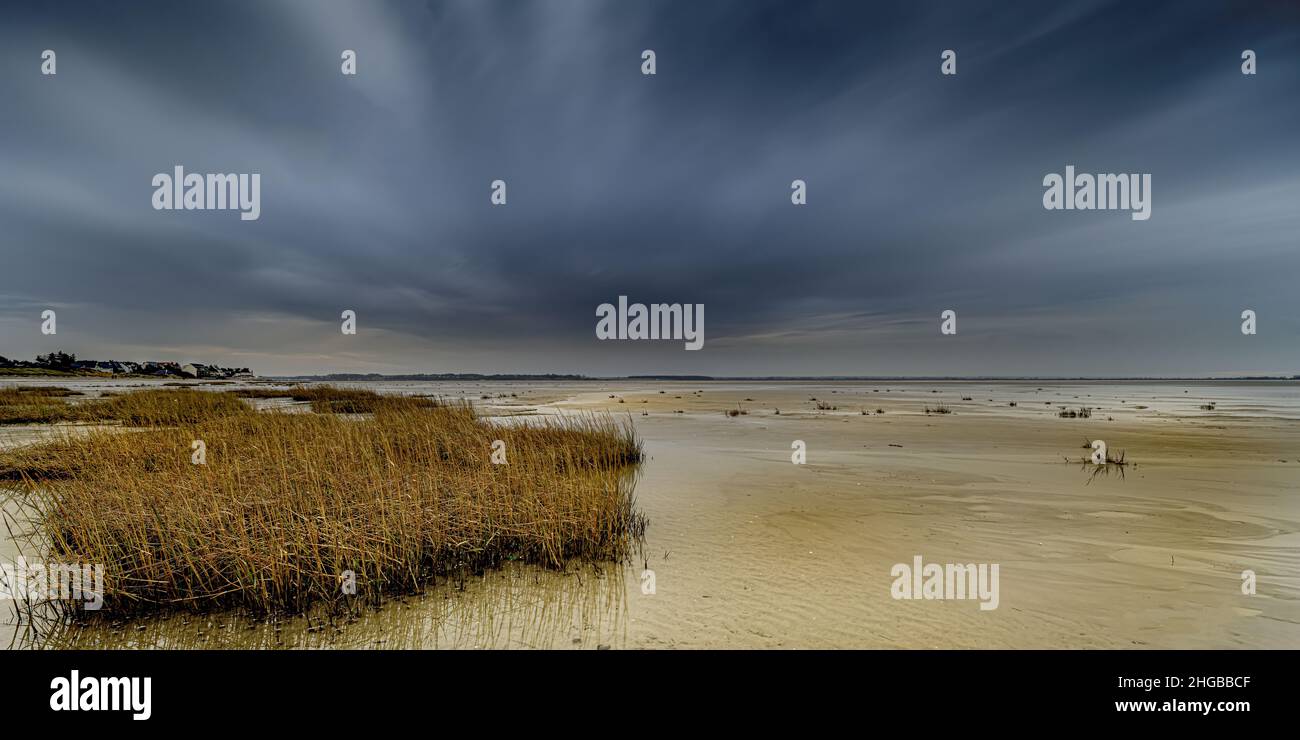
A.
x: 287, y: 504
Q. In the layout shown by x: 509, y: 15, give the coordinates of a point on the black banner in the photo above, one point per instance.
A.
x: 974, y: 689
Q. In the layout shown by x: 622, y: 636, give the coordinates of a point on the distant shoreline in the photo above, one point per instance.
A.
x: 552, y: 377
x: 350, y: 378
x: 23, y: 372
x: 63, y: 364
x: 32, y: 372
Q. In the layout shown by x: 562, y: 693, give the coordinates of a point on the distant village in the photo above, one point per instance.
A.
x: 62, y: 362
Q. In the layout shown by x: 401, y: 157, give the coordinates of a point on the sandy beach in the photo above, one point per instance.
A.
x: 751, y: 551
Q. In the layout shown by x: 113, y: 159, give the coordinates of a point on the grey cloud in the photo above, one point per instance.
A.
x: 925, y: 191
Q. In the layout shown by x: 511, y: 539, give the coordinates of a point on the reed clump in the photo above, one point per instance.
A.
x: 261, y: 393
x: 152, y: 407
x: 35, y: 413
x: 34, y: 404
x: 290, y: 507
x: 331, y: 399
x: 161, y: 407
x: 17, y: 393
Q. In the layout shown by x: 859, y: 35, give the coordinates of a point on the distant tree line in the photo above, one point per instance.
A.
x: 61, y: 361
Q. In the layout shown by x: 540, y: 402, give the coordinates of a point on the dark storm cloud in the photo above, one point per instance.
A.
x: 924, y: 191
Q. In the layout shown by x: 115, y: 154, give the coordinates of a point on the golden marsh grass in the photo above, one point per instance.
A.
x: 287, y: 503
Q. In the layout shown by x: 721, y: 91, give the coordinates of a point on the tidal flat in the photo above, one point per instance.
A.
x: 746, y: 549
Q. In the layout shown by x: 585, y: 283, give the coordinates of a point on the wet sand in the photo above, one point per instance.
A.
x: 750, y: 550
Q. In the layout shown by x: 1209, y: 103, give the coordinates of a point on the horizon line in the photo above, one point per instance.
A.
x: 707, y: 378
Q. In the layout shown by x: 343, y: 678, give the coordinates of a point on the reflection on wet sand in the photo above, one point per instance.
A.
x: 519, y: 606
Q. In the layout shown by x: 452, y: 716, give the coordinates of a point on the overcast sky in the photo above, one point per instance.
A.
x: 924, y: 191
